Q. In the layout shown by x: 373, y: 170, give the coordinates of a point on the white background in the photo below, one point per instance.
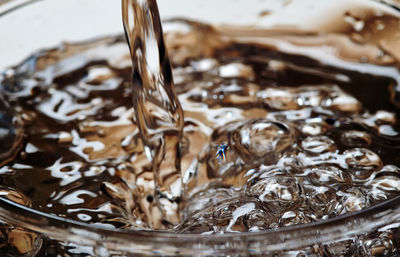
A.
x: 46, y: 23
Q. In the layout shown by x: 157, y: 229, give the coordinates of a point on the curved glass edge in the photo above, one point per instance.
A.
x: 347, y: 226
x: 395, y: 4
x: 8, y: 6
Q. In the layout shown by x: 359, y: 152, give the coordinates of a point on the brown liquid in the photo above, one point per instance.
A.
x: 270, y: 138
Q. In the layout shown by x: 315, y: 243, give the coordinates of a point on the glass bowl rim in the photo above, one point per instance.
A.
x: 42, y: 218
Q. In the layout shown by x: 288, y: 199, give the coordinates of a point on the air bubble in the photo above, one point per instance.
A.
x: 275, y: 192
x: 293, y: 217
x: 329, y: 175
x: 343, y: 102
x: 279, y: 98
x: 355, y: 138
x: 313, y: 128
x: 230, y: 215
x: 386, y: 183
x: 362, y: 162
x: 318, y: 145
x: 353, y: 199
x: 382, y: 245
x: 208, y: 197
x: 321, y: 201
x: 262, y: 141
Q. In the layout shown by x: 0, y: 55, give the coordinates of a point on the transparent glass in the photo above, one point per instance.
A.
x: 27, y: 26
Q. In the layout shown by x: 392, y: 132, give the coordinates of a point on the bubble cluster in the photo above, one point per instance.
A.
x: 311, y: 157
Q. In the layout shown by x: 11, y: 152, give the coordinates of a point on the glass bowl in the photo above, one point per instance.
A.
x: 28, y: 26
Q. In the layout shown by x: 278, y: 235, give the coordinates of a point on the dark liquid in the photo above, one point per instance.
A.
x: 270, y: 138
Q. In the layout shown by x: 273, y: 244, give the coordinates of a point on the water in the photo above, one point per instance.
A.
x: 274, y: 133
x: 158, y: 113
